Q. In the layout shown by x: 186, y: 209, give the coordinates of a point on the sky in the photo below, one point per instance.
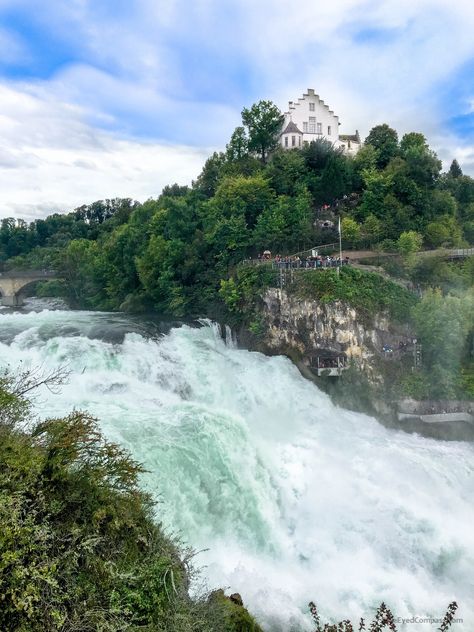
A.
x: 117, y: 98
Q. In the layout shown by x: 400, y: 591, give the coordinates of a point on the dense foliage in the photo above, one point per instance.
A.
x: 79, y: 547
x: 368, y: 292
x: 179, y: 253
x: 170, y: 253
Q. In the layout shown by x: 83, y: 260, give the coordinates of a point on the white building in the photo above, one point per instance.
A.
x: 310, y: 118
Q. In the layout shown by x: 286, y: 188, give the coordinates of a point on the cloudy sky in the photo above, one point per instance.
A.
x: 106, y: 98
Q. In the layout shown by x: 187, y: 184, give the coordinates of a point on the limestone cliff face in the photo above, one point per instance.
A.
x: 308, y: 327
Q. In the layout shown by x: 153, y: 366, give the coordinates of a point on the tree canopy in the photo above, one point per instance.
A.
x: 384, y: 140
x: 263, y: 121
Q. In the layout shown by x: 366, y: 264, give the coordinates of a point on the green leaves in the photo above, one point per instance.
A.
x: 409, y: 243
x: 384, y: 140
x: 368, y: 292
x: 264, y: 122
x: 443, y: 323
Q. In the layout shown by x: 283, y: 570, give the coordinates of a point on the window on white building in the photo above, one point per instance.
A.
x: 329, y: 130
x: 320, y: 128
x: 305, y: 127
x: 312, y: 124
x: 286, y: 141
x: 293, y: 141
x: 311, y: 107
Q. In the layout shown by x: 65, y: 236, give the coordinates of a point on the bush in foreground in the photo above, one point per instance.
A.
x: 79, y: 549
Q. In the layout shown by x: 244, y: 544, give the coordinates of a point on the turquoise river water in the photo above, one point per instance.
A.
x: 288, y: 497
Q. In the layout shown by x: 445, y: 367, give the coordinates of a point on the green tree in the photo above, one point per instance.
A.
x: 83, y: 269
x: 384, y: 140
x: 237, y: 147
x: 409, y: 243
x: 444, y: 232
x: 246, y: 197
x: 411, y: 140
x: 286, y: 171
x: 263, y: 121
x: 377, y: 186
x: 119, y: 253
x: 350, y: 231
x: 455, y: 170
x: 443, y: 324
x: 156, y: 268
x: 317, y: 154
x: 423, y: 165
x: 209, y: 177
x: 372, y: 230
x: 364, y: 161
x: 442, y: 203
x: 271, y: 228
x: 469, y: 231
x: 335, y: 180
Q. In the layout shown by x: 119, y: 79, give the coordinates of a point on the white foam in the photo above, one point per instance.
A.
x: 295, y: 498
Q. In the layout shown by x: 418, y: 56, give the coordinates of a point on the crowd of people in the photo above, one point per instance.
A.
x: 295, y: 261
x: 403, y: 346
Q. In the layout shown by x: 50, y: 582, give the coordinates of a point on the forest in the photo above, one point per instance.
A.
x: 180, y: 253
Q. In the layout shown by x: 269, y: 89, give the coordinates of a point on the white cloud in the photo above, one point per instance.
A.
x: 135, y: 69
x: 56, y: 161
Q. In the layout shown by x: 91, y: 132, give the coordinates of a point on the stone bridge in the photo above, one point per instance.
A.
x: 13, y: 282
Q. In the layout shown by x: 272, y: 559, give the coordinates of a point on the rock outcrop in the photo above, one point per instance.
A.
x: 308, y: 328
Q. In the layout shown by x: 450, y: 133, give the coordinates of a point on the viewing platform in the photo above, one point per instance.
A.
x: 328, y: 366
x: 438, y: 417
x: 436, y: 412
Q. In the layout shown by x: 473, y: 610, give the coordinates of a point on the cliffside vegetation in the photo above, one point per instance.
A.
x: 179, y: 253
x: 79, y: 546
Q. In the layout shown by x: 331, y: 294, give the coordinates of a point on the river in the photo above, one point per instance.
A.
x: 288, y: 497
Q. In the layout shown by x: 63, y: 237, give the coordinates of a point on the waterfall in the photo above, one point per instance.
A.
x: 288, y: 497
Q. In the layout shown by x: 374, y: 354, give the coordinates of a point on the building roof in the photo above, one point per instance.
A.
x: 353, y: 137
x: 309, y: 93
x: 291, y: 128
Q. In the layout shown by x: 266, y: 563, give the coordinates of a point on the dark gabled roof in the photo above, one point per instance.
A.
x: 291, y: 128
x: 353, y: 137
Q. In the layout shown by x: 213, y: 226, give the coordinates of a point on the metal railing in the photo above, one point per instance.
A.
x: 328, y: 366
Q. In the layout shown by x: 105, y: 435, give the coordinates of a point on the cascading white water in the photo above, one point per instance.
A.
x: 294, y: 498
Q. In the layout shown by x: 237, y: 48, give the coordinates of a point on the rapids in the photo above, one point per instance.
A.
x: 287, y: 497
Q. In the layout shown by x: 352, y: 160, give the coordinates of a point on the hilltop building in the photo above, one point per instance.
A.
x: 310, y: 118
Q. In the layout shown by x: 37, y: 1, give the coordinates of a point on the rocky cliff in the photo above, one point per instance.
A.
x: 308, y: 328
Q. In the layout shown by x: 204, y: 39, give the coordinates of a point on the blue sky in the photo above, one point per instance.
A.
x: 100, y: 98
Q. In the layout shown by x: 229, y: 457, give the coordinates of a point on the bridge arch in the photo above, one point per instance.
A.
x: 14, y: 282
